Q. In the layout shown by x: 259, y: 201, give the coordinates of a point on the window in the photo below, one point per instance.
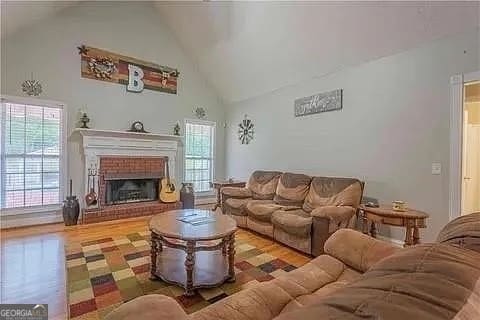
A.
x: 31, y: 154
x: 199, y: 145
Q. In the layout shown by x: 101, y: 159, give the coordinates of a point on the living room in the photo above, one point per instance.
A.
x: 116, y: 114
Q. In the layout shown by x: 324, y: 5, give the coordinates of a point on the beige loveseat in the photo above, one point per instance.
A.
x: 358, y: 278
x: 295, y: 209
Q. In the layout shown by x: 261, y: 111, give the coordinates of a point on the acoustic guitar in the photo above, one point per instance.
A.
x: 168, y: 192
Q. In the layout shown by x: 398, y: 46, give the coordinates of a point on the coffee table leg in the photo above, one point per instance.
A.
x: 231, y: 258
x: 189, y: 266
x: 224, y: 246
x: 153, y: 256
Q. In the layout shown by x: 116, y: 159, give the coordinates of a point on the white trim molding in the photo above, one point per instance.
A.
x: 456, y: 140
x: 456, y: 134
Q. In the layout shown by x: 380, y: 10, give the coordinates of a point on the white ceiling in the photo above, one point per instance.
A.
x: 245, y: 49
x: 248, y: 48
x: 19, y: 14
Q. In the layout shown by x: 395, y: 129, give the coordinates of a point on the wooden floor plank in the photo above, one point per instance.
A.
x: 33, y: 259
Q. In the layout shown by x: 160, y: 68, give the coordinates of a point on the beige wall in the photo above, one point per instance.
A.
x: 48, y: 49
x: 393, y: 126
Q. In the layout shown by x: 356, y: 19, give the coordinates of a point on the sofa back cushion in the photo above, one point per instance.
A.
x: 463, y: 232
x: 292, y: 189
x: 328, y: 191
x: 263, y: 184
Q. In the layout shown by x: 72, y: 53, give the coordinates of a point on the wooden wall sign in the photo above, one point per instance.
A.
x: 135, y: 74
x: 322, y: 102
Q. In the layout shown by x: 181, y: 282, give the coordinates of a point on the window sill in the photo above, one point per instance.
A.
x: 31, y: 210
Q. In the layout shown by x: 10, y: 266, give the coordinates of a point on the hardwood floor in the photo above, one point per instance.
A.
x: 33, y: 260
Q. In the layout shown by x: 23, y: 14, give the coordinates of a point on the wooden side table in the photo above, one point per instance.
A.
x: 218, y: 185
x: 411, y: 219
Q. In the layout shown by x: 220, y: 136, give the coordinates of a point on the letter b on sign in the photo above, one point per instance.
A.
x: 135, y: 76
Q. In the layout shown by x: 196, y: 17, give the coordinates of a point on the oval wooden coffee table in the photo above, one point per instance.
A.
x: 193, y: 248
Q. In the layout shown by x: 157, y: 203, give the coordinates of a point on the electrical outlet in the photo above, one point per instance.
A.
x: 436, y: 168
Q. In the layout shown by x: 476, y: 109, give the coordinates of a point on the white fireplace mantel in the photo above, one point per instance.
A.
x: 100, y: 143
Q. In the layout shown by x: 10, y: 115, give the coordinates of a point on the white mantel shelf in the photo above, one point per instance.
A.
x: 127, y: 134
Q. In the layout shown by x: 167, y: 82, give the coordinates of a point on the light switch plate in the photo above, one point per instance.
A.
x: 436, y: 168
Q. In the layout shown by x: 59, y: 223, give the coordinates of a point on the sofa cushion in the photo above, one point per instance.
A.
x: 236, y: 192
x: 325, y: 191
x: 261, y: 209
x: 359, y: 251
x: 296, y: 222
x: 236, y: 206
x: 292, y: 189
x: 429, y: 282
x: 463, y: 231
x: 346, y: 277
x: 263, y: 184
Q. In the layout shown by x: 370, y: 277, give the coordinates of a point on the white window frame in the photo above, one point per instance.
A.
x: 213, y: 124
x: 63, y: 155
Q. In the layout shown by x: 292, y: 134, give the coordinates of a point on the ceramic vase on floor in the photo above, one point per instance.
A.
x: 71, y: 209
x: 187, y: 196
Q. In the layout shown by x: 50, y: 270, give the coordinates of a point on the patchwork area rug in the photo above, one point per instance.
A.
x: 104, y: 273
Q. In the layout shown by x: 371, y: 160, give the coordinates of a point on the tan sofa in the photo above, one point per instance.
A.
x: 295, y: 209
x: 358, y: 278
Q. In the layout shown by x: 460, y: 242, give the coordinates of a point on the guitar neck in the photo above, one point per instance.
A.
x: 167, y: 172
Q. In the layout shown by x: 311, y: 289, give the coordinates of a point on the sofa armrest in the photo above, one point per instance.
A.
x: 338, y: 217
x: 153, y: 306
x: 236, y: 192
x: 358, y: 250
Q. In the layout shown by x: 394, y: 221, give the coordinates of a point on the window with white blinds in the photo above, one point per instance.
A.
x: 31, y: 155
x: 199, y: 155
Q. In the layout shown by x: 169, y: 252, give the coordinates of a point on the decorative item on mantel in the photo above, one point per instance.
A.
x: 137, y: 126
x: 71, y: 209
x: 84, y: 119
x: 200, y: 112
x: 176, y: 129
x: 245, y: 130
x: 322, y: 102
x: 32, y: 87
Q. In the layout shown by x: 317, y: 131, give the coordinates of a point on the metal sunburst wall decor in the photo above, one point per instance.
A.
x: 200, y: 112
x: 245, y: 131
x: 32, y: 87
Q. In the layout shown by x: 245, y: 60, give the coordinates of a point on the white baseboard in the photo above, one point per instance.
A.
x: 391, y: 240
x: 30, y: 219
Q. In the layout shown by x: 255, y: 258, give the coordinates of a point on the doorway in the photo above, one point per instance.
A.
x: 471, y: 148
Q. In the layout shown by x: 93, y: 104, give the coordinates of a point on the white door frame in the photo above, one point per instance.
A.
x: 456, y: 136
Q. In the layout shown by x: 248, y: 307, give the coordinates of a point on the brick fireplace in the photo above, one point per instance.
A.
x: 129, y: 168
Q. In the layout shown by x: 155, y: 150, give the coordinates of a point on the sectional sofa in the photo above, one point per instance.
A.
x: 294, y: 209
x: 357, y: 278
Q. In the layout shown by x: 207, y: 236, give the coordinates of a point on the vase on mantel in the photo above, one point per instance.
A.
x: 187, y: 196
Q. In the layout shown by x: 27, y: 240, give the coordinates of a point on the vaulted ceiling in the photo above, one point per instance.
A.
x: 245, y: 49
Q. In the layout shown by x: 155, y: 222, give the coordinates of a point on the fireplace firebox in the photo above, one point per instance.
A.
x: 121, y: 190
